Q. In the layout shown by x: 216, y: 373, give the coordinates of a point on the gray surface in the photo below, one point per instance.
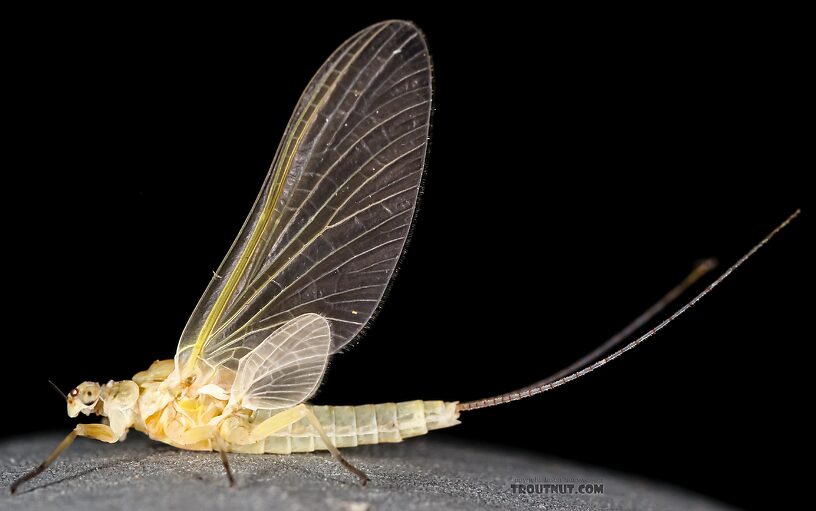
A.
x: 426, y: 473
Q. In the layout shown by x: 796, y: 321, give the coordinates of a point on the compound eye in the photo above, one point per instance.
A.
x: 73, y: 393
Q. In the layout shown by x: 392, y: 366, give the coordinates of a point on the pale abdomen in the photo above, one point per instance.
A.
x: 350, y: 426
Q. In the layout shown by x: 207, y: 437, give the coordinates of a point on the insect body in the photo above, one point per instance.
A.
x: 206, y: 422
x: 304, y: 276
x: 201, y: 423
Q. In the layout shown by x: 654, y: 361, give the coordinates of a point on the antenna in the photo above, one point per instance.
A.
x: 558, y: 380
x: 61, y: 393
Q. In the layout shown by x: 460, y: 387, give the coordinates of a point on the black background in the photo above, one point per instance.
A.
x: 580, y: 164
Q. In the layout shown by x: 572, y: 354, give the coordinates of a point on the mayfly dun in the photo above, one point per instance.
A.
x: 308, y: 269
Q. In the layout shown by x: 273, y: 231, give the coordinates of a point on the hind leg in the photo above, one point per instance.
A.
x: 288, y: 417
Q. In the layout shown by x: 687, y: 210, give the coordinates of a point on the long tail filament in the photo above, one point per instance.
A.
x: 590, y: 363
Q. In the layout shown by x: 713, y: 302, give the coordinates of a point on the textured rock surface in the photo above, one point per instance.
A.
x: 427, y: 473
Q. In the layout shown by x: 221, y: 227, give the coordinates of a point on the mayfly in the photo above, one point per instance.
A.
x: 305, y: 275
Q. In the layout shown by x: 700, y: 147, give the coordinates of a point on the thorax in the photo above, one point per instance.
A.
x: 171, y: 412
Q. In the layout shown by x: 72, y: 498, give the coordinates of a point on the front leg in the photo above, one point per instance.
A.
x: 100, y: 432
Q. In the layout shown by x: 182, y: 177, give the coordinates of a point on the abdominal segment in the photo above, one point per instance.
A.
x: 350, y: 426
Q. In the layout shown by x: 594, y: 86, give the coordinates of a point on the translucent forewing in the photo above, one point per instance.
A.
x: 331, y: 219
x: 286, y: 368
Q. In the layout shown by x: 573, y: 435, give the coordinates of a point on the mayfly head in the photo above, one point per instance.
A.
x: 83, y: 398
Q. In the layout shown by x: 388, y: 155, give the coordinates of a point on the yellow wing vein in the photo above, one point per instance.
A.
x: 283, y: 170
x: 271, y: 277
